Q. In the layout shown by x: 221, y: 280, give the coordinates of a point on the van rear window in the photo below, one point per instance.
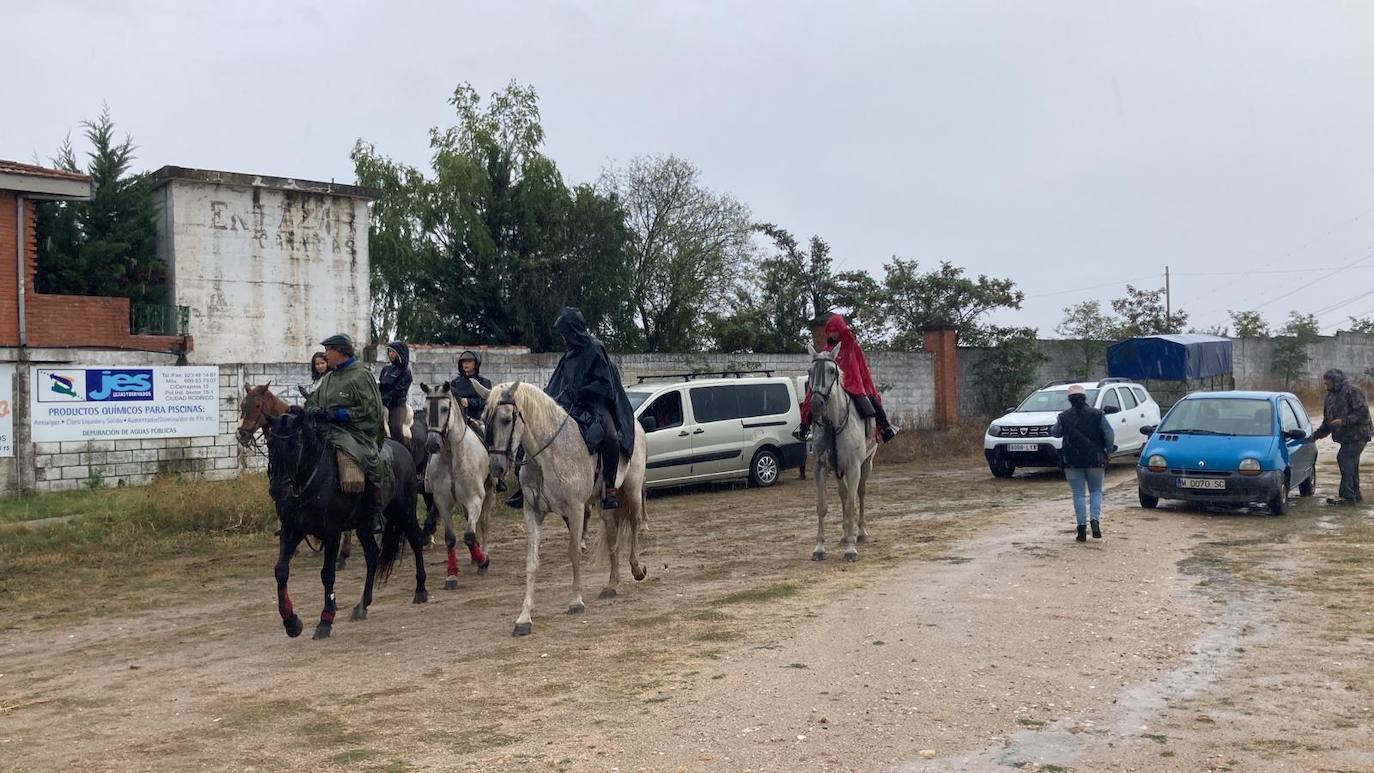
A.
x: 740, y: 401
x: 764, y: 399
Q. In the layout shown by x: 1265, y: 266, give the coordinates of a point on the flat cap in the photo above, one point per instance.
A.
x: 338, y: 339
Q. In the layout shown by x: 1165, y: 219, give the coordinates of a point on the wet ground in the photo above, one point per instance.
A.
x: 974, y: 634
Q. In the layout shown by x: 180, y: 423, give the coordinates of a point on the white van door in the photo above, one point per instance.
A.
x: 669, y: 440
x: 717, y: 436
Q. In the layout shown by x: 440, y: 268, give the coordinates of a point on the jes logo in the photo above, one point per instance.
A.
x: 119, y: 385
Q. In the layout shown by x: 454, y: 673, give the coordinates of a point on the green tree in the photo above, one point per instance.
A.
x: 915, y: 301
x: 686, y: 248
x: 108, y: 245
x: 1363, y: 325
x: 1290, y: 357
x: 492, y: 243
x: 1089, y: 328
x: 1142, y: 313
x: 1007, y: 370
x: 1249, y: 324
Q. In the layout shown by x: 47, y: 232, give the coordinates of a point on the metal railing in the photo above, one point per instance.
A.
x: 147, y: 319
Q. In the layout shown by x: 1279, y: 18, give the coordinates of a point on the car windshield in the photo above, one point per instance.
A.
x: 1054, y: 400
x: 1220, y: 416
x: 636, y: 398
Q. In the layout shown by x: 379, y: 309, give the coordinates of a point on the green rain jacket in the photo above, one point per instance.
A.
x: 357, y: 428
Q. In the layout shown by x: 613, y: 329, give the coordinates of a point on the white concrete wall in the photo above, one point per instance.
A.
x: 266, y: 273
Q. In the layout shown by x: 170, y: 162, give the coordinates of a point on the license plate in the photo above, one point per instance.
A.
x: 1210, y: 484
x: 1023, y: 447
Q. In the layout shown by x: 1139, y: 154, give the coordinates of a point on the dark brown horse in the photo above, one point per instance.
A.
x: 305, y: 491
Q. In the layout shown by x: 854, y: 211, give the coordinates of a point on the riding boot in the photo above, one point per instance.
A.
x: 802, y: 432
x: 517, y: 500
x: 885, y: 426
x: 376, y: 520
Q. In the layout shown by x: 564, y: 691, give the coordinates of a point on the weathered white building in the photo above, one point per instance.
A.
x: 266, y: 266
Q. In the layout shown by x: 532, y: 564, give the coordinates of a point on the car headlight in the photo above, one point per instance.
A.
x: 1157, y: 463
x: 994, y: 430
x: 1249, y: 467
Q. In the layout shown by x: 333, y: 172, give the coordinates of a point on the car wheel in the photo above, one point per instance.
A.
x: 1002, y: 469
x: 1279, y: 504
x: 1309, y: 487
x: 764, y: 469
x: 1146, y: 501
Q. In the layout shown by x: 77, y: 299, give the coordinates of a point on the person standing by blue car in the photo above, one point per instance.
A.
x: 1088, y: 444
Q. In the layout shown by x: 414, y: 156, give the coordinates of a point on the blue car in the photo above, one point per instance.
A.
x: 1232, y: 448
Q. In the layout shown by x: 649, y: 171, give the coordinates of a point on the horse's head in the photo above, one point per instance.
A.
x: 825, y: 377
x: 256, y: 409
x: 439, y: 408
x: 502, y: 420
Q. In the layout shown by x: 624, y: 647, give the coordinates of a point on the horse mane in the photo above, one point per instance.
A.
x: 539, y: 410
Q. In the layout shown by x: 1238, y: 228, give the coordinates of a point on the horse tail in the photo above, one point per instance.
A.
x: 392, y: 535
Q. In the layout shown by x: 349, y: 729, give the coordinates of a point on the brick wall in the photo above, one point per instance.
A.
x: 9, y: 286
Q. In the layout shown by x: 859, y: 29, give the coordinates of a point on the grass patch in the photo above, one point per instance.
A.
x: 797, y: 665
x: 759, y: 595
x: 959, y: 442
x: 353, y: 756
x: 717, y: 635
x: 1031, y: 722
x: 395, y: 766
x: 331, y: 732
x: 1156, y: 737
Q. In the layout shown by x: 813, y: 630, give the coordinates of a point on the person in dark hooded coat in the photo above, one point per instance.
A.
x: 395, y: 387
x: 471, y: 403
x: 586, y: 384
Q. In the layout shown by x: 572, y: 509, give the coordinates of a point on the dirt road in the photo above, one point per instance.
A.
x: 975, y: 634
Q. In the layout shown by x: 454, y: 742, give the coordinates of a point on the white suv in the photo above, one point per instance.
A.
x: 702, y: 428
x: 1021, y: 438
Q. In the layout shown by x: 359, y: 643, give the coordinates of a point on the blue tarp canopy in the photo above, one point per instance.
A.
x: 1181, y: 357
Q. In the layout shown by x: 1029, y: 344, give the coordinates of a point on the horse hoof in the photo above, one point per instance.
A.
x: 607, y: 593
x: 451, y: 583
x: 293, y: 626
x: 483, y: 567
x: 323, y: 631
x: 523, y: 629
x: 421, y: 596
x: 851, y: 557
x: 577, y: 608
x: 862, y: 539
x: 639, y: 573
x: 819, y: 555
x: 358, y: 613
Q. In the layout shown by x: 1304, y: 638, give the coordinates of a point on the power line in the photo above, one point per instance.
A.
x: 1316, y: 281
x: 1117, y: 283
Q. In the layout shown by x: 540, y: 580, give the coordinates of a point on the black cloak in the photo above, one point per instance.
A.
x: 585, y: 378
x: 395, y: 380
x: 462, y: 388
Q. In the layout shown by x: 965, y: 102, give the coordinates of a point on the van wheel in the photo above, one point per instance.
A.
x: 1147, y: 501
x: 764, y: 469
x: 1001, y: 468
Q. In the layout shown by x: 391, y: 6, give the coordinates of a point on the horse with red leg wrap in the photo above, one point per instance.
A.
x: 458, y: 476
x: 303, y: 481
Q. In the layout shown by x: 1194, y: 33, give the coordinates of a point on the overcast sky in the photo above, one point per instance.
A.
x: 1069, y: 146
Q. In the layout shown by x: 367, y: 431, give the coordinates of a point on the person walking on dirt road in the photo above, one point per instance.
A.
x: 1088, y: 444
x: 1345, y: 417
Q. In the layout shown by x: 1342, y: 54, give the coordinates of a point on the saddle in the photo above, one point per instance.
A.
x: 406, y: 424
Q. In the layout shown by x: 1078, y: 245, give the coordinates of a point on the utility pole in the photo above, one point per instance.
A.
x: 1168, y: 299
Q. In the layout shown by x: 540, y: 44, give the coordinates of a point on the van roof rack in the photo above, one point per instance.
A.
x: 704, y: 374
x: 1107, y: 381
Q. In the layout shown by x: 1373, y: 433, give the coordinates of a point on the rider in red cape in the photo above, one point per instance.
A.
x: 858, y: 382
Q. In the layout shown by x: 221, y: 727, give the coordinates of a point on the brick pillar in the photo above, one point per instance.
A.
x: 943, y: 343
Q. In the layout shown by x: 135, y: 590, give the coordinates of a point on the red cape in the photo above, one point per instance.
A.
x: 857, y: 379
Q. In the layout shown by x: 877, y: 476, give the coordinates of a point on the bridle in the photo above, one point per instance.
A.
x: 249, y: 436
x: 824, y: 390
x: 294, y: 492
x: 442, y: 432
x: 508, y: 400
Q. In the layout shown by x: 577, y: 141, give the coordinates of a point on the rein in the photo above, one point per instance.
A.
x: 508, y: 399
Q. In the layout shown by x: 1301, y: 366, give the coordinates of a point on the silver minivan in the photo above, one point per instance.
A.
x: 701, y: 429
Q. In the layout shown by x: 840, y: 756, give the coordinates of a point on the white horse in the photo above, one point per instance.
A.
x: 457, y: 475
x: 560, y: 476
x: 844, y: 444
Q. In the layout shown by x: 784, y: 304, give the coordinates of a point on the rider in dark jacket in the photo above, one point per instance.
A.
x: 587, y: 385
x: 472, y: 403
x: 395, y: 387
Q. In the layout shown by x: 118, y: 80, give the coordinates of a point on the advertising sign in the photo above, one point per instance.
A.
x: 120, y: 403
x: 6, y: 410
